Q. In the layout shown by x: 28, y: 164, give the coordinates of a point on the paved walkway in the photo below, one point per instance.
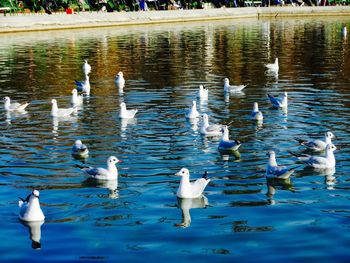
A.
x: 34, y: 22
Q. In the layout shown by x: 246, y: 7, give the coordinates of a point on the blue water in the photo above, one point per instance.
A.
x: 140, y: 218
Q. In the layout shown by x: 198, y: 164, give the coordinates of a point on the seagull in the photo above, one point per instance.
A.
x: 317, y: 145
x: 202, y: 93
x: 232, y: 88
x: 210, y: 129
x: 14, y: 106
x: 111, y: 173
x: 226, y: 144
x: 56, y: 112
x: 80, y: 150
x: 279, y: 102
x: 273, y: 67
x: 319, y: 162
x: 189, y: 189
x: 256, y: 114
x: 30, y: 208
x: 192, y: 112
x: 83, y: 86
x: 86, y: 68
x: 76, y: 99
x: 275, y: 171
x: 119, y: 80
x: 126, y: 114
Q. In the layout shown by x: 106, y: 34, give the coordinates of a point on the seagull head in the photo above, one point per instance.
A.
x: 53, y: 101
x: 78, y: 143
x: 270, y: 153
x: 74, y: 91
x: 285, y: 94
x: 113, y: 160
x: 183, y: 172
x: 224, y: 128
x: 330, y: 135
x: 205, y: 117
x: 331, y: 147
x: 226, y: 81
x: 120, y: 74
x: 123, y: 105
x: 6, y: 98
x: 35, y: 193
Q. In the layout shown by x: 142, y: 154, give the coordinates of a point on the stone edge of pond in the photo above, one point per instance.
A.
x: 60, y: 21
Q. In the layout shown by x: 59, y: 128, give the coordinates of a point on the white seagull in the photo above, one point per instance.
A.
x: 119, y: 80
x: 76, y: 99
x: 344, y: 31
x: 319, y: 162
x: 126, y: 114
x: 30, y: 208
x: 226, y: 144
x: 56, y: 112
x: 86, y: 68
x: 232, y: 88
x: 273, y: 67
x: 14, y: 106
x: 202, y: 93
x: 80, y: 150
x: 279, y: 102
x: 317, y: 145
x: 256, y: 114
x: 210, y: 129
x: 192, y: 112
x: 275, y: 171
x: 84, y: 86
x: 111, y: 173
x: 189, y: 189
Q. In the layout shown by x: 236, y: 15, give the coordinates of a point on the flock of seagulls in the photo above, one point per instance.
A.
x: 30, y: 210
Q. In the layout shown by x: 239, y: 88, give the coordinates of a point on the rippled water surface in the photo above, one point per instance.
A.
x: 242, y: 216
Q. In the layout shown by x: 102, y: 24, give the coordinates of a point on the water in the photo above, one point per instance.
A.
x: 306, y: 219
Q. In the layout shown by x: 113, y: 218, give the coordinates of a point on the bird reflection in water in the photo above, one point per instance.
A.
x: 110, y: 185
x: 34, y: 232
x: 277, y: 183
x: 185, y: 204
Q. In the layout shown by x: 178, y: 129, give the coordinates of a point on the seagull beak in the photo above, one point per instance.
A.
x: 178, y: 174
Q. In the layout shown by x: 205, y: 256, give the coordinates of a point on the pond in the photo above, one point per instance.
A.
x: 241, y: 216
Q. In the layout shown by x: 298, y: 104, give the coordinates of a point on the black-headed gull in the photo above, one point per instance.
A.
x: 189, y: 189
x: 279, y: 102
x: 275, y: 171
x: 80, y: 150
x: 256, y: 114
x: 273, y: 66
x: 29, y: 208
x: 226, y: 144
x: 210, y: 129
x: 202, y: 93
x: 111, y: 173
x: 84, y: 86
x: 232, y: 88
x: 319, y: 162
x: 317, y: 145
x: 76, y: 99
x: 86, y: 68
x: 15, y: 106
x: 125, y: 113
x: 56, y: 112
x: 192, y: 112
x: 119, y: 80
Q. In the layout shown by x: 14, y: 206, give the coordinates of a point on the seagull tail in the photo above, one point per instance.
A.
x: 205, y: 175
x: 300, y: 141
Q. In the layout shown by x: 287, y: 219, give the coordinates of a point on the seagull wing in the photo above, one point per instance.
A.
x: 198, y: 186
